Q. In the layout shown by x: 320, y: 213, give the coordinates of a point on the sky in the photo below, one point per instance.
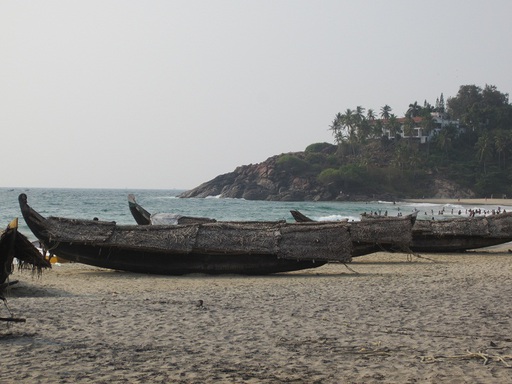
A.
x: 163, y: 94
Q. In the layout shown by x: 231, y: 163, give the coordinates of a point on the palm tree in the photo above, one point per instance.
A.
x: 361, y: 124
x: 348, y: 121
x: 348, y: 124
x: 336, y: 127
x: 393, y: 125
x: 401, y: 156
x: 483, y: 149
x: 359, y: 113
x: 408, y: 126
x: 444, y: 141
x: 501, y: 143
x: 377, y: 129
x: 370, y: 122
x: 363, y: 130
x: 427, y: 126
x: 414, y: 110
x: 385, y: 112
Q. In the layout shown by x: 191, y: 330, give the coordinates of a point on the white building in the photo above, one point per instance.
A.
x: 440, y: 121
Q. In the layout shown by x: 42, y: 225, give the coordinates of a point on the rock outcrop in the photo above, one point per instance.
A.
x: 264, y: 181
x: 271, y: 181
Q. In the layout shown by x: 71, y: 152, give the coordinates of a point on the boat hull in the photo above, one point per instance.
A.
x: 461, y: 234
x: 164, y: 263
x: 453, y: 244
x: 443, y: 236
x: 378, y: 235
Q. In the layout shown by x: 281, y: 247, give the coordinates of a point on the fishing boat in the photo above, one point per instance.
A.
x: 143, y: 217
x: 370, y: 237
x: 453, y: 235
x: 383, y: 234
x: 212, y: 248
x: 14, y: 245
x: 462, y: 234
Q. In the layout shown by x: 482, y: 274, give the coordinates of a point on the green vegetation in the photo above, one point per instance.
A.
x: 467, y: 140
x: 292, y: 164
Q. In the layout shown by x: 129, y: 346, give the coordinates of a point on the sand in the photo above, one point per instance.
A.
x: 484, y: 201
x: 442, y: 319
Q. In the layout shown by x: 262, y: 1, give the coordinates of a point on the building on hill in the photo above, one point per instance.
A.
x: 418, y: 132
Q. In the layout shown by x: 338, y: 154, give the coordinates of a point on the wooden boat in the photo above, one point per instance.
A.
x: 461, y: 234
x: 212, y: 248
x: 14, y: 245
x: 458, y: 234
x: 143, y: 217
x: 383, y: 234
x: 366, y: 237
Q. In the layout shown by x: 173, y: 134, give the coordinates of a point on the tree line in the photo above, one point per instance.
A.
x: 474, y: 153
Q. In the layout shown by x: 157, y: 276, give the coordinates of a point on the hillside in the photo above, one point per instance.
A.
x: 459, y: 150
x: 300, y: 176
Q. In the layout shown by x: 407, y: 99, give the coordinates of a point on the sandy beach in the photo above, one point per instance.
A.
x: 442, y: 318
x: 484, y: 201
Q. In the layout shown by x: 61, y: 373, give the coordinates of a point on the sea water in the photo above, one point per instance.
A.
x: 112, y: 205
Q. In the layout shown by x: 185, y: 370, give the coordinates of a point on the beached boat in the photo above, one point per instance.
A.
x: 366, y: 238
x: 454, y: 235
x: 461, y: 234
x: 212, y: 248
x: 384, y: 234
x: 143, y: 217
x: 14, y: 245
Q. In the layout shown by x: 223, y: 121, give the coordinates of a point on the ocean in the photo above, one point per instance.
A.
x: 112, y: 205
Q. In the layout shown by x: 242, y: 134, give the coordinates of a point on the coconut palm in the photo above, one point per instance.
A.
x: 414, y: 110
x: 385, y: 112
x: 336, y: 127
x: 427, y: 126
x: 393, y: 125
x: 484, y: 149
x: 501, y: 143
x: 377, y: 128
x: 408, y: 126
x: 360, y: 113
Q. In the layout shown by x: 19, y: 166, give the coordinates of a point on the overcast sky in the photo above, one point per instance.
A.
x: 170, y: 94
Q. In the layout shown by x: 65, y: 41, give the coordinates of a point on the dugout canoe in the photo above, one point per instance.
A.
x: 457, y: 234
x: 383, y: 234
x: 461, y: 234
x: 252, y: 248
x: 366, y: 237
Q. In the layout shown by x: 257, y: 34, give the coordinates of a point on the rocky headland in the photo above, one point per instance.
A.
x: 264, y: 181
x: 268, y: 181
